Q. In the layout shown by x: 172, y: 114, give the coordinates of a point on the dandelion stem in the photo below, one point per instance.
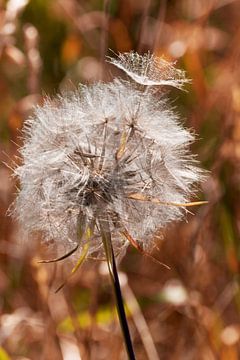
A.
x: 106, y: 237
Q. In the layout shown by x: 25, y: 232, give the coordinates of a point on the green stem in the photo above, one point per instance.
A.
x: 106, y: 237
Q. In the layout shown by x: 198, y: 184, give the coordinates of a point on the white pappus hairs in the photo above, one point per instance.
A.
x: 112, y: 152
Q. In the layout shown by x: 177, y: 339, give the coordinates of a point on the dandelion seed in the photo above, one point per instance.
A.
x: 149, y: 70
x: 107, y: 153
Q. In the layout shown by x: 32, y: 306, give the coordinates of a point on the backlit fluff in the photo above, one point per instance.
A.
x: 111, y: 152
x: 149, y: 70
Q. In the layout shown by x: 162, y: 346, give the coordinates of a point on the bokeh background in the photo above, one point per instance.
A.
x: 190, y: 312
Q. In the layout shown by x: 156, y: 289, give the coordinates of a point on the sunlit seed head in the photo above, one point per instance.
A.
x: 106, y: 153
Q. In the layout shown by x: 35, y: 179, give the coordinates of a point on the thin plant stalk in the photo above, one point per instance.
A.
x: 106, y: 237
x: 138, y: 318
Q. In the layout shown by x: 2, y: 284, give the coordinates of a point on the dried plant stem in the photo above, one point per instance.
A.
x: 105, y: 32
x: 106, y: 237
x: 138, y: 318
x: 160, y: 22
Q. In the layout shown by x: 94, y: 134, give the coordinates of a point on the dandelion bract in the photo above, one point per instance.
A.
x: 110, y: 152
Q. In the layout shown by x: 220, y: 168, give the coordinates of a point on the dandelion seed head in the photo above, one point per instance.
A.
x: 102, y: 153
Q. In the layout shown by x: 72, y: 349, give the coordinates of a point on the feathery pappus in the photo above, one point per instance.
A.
x: 109, y: 153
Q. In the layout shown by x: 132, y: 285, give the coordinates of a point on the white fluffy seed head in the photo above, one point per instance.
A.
x: 103, y: 153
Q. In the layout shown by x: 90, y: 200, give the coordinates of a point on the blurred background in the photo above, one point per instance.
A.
x: 190, y: 312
